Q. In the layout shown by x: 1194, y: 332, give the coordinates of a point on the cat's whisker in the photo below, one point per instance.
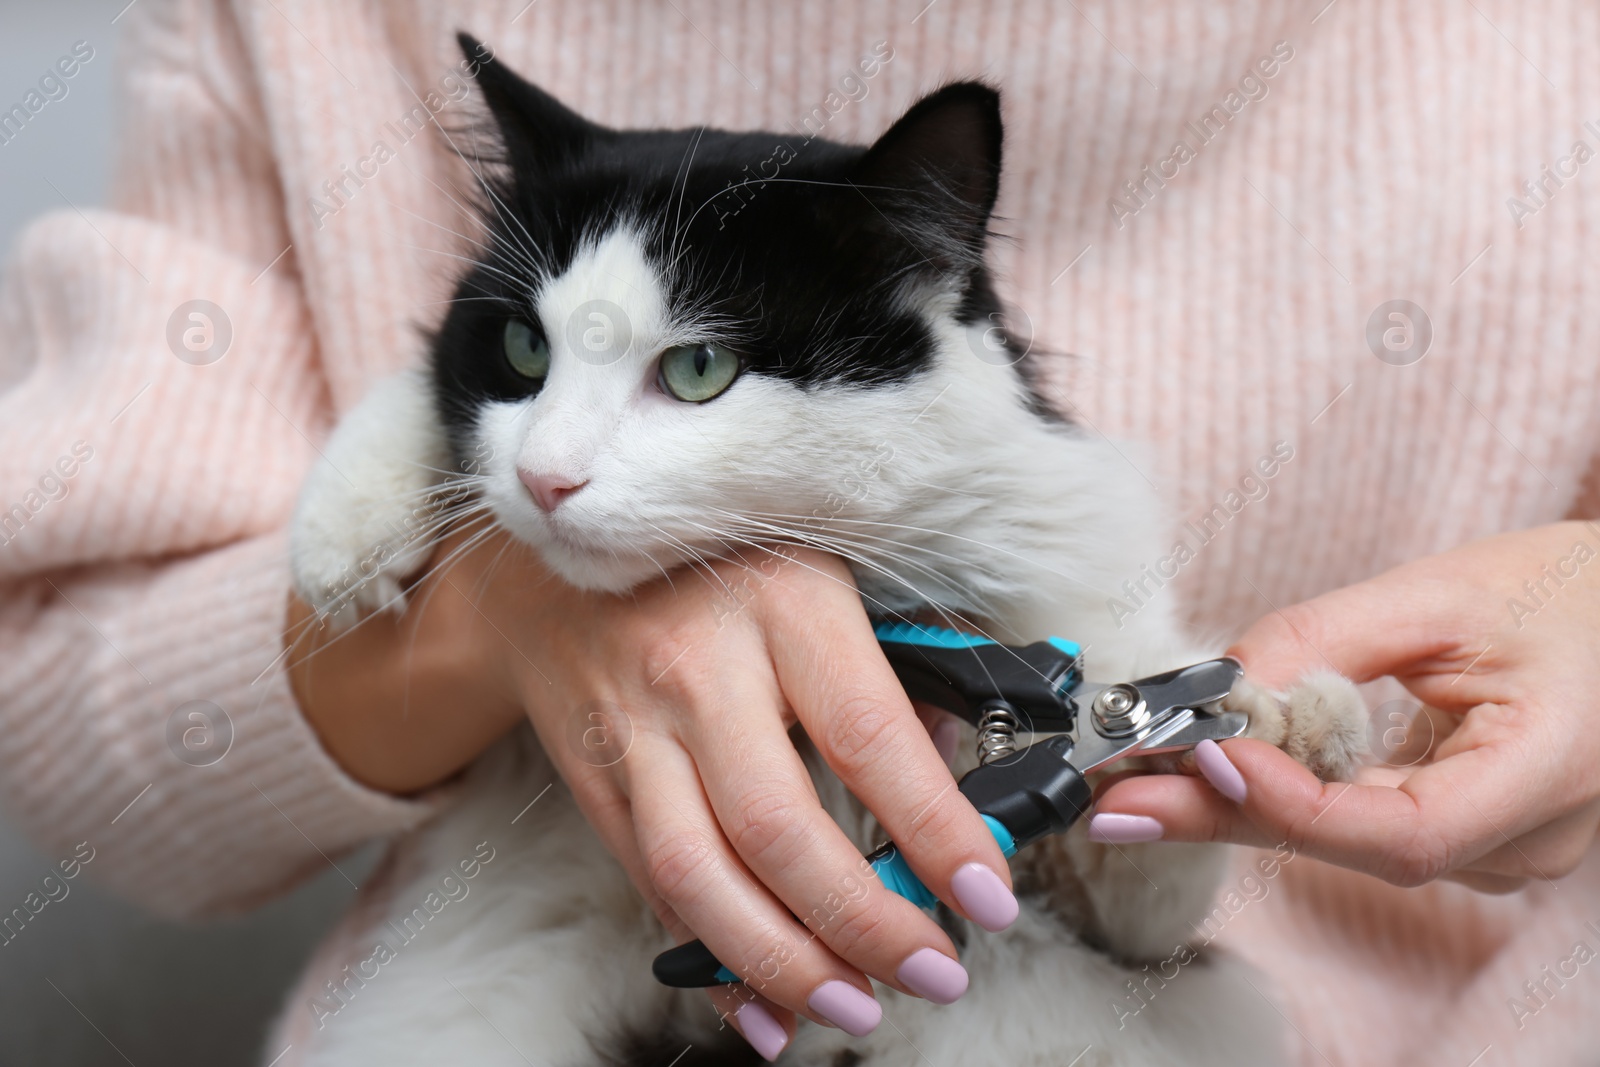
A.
x: 427, y: 598
x: 466, y: 239
x: 678, y: 546
x: 437, y: 575
x: 449, y: 476
x: 949, y: 618
x: 657, y: 564
x: 684, y: 171
x: 521, y: 262
x: 759, y: 546
x: 957, y: 560
x: 435, y: 513
x: 320, y: 616
x: 964, y: 622
x: 727, y: 536
x: 780, y: 181
x: 494, y: 565
x: 477, y: 263
x: 474, y: 167
x: 450, y: 482
x: 460, y: 300
x: 946, y: 489
x: 693, y: 558
x: 807, y: 529
x: 525, y: 244
x: 861, y: 555
x: 535, y: 261
x: 957, y: 537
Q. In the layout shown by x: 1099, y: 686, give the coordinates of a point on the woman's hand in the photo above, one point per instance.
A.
x: 1503, y: 637
x: 666, y: 712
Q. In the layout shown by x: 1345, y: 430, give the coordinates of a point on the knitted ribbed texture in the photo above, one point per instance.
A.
x: 1219, y: 314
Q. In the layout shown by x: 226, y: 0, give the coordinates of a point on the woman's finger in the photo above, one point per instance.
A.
x: 596, y: 779
x: 943, y: 727
x: 1494, y: 884
x: 1170, y: 807
x: 1362, y: 631
x: 764, y: 800
x: 857, y: 714
x: 692, y: 865
x: 768, y: 1027
x: 1547, y: 852
x: 1440, y: 818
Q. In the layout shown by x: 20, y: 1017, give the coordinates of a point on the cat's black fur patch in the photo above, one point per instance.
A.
x: 952, y: 924
x: 669, y: 1049
x: 808, y: 255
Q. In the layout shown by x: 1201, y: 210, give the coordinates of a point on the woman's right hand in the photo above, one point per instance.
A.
x: 666, y: 712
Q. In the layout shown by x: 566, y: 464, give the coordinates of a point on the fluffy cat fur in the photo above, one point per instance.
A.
x: 871, y: 419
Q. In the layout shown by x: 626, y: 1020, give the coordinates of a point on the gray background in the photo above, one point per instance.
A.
x: 141, y: 992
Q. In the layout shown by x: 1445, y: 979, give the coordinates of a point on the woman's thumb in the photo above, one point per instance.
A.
x: 1363, y: 631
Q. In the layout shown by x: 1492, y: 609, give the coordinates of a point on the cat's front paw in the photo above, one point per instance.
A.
x: 1321, y: 721
x: 370, y: 508
x: 346, y: 566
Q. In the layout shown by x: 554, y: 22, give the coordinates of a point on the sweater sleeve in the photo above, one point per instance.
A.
x: 160, y: 396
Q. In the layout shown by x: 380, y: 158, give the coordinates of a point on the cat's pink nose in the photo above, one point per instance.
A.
x: 549, y: 490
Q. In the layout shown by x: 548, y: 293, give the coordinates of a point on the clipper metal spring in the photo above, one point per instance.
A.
x: 997, y: 733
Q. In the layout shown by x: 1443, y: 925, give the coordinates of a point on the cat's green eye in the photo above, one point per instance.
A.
x: 698, y: 373
x: 526, y: 350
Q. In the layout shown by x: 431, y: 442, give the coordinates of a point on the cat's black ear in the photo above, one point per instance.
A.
x: 946, y: 148
x: 539, y: 131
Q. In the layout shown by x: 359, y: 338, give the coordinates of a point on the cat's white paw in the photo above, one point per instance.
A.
x: 368, y: 511
x: 1321, y: 721
x: 344, y: 564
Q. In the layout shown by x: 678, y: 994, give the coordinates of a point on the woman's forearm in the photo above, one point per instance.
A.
x: 402, y: 702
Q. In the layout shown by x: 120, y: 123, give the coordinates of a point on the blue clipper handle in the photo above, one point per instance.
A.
x: 896, y: 874
x: 692, y: 966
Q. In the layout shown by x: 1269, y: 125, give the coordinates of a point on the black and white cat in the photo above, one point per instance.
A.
x: 665, y: 353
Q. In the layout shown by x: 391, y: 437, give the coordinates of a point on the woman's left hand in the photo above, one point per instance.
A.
x: 1503, y: 637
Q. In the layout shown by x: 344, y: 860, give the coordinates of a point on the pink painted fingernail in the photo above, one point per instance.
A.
x: 933, y: 976
x: 846, y: 1007
x: 984, y: 897
x: 1219, y: 770
x: 1115, y: 829
x: 764, y: 1033
x: 947, y: 740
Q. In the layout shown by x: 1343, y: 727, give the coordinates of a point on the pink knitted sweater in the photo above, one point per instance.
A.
x: 1207, y: 204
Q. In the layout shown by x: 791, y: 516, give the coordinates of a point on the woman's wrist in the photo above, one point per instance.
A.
x: 403, y: 702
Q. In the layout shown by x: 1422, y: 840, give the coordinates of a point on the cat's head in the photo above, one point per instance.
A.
x: 677, y: 342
